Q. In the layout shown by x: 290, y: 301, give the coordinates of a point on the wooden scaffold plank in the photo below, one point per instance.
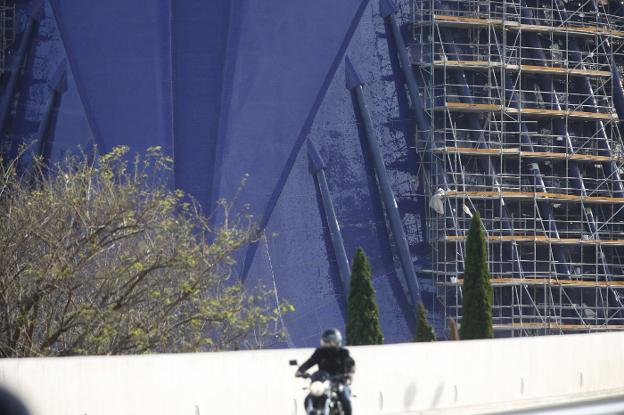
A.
x: 526, y: 112
x: 461, y: 22
x: 557, y: 197
x: 551, y: 70
x: 542, y: 239
x: 557, y: 326
x: 507, y: 281
x: 527, y: 154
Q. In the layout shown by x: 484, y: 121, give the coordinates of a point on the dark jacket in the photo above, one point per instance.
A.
x: 334, y: 361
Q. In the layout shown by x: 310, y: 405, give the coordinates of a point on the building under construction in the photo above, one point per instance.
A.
x: 7, y: 30
x: 524, y: 99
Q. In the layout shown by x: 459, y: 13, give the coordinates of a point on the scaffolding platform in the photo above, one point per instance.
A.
x: 525, y: 154
x: 549, y: 70
x: 526, y: 112
x: 463, y: 22
x: 557, y: 327
x: 468, y: 107
x: 471, y: 22
x: 514, y: 195
x: 541, y: 239
x: 500, y: 282
x: 539, y: 112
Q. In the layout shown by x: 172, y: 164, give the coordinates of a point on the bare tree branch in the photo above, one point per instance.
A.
x: 99, y: 257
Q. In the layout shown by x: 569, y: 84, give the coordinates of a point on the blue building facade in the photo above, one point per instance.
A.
x: 230, y: 88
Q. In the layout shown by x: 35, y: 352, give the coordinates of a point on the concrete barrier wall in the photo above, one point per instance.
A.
x: 469, y: 376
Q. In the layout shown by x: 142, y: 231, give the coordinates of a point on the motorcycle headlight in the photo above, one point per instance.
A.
x: 317, y: 388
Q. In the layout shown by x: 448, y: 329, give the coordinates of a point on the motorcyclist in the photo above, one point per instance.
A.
x: 332, y: 358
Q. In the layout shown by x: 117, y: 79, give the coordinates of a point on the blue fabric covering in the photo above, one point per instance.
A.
x: 120, y: 55
x: 229, y: 87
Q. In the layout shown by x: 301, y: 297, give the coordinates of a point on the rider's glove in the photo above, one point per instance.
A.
x: 298, y: 374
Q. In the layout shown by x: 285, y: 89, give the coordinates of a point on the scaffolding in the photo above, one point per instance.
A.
x: 523, y: 98
x: 7, y: 30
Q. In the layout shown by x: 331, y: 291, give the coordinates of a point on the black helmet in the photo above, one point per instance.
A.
x: 331, y: 338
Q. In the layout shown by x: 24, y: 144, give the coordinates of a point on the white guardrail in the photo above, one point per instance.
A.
x: 443, y: 377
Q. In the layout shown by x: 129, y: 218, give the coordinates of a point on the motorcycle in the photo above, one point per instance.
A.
x: 324, y: 391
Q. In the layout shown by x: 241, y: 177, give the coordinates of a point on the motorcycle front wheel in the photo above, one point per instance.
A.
x: 337, y: 410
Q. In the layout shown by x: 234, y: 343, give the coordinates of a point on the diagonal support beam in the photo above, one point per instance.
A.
x: 388, y: 11
x: 355, y: 85
x: 318, y: 170
x: 45, y: 134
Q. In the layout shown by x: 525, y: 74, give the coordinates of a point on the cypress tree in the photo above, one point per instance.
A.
x: 362, y: 311
x: 424, y: 332
x: 477, y: 293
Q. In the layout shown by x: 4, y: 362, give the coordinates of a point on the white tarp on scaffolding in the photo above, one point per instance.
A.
x: 437, y: 201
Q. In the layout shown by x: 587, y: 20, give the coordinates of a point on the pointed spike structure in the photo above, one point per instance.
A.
x: 318, y: 170
x: 387, y: 11
x: 387, y: 8
x: 352, y: 78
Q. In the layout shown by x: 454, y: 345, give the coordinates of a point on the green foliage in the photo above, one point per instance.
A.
x: 424, y: 332
x: 476, y: 320
x: 102, y: 258
x: 362, y: 314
